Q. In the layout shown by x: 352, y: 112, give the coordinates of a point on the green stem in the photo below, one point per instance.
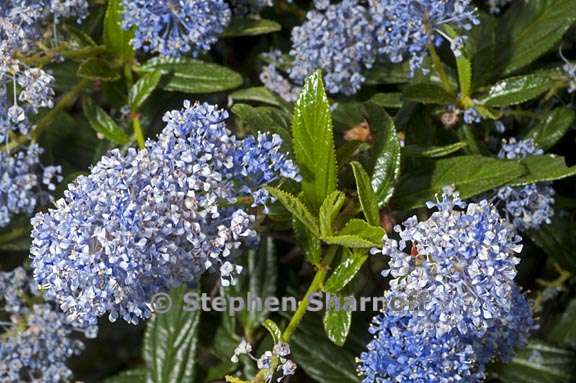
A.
x: 44, y: 59
x: 137, y: 126
x: 12, y: 235
x: 316, y: 285
x: 440, y: 68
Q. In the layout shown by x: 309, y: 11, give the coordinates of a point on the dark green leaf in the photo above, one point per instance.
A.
x: 116, y: 39
x: 481, y: 47
x: 102, y: 123
x: 557, y: 240
x: 143, y: 88
x: 329, y: 210
x: 543, y: 168
x: 193, y: 76
x: 337, y: 324
x: 311, y: 245
x: 563, y: 332
x: 314, y: 143
x: 131, y: 376
x: 516, y: 90
x: 434, y: 151
x: 552, y: 127
x: 297, y: 208
x: 387, y: 100
x: 251, y: 27
x: 170, y: 342
x: 428, y: 93
x: 366, y: 194
x: 78, y: 35
x: 264, y: 119
x: 97, y: 70
x: 387, y: 73
x: 259, y: 94
x: 471, y: 175
x: 346, y: 270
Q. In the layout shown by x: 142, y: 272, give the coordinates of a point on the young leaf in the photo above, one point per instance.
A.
x: 102, y: 123
x: 273, y: 329
x: 351, y: 241
x: 346, y: 271
x: 193, y: 76
x: 428, y: 93
x: 251, y: 27
x: 552, y: 127
x: 384, y: 162
x: 464, y: 75
x: 143, y: 88
x: 313, y: 142
x: 170, y: 342
x: 297, y: 208
x: 363, y: 229
x: 337, y: 324
x: 366, y: 194
x: 310, y: 244
x: 116, y: 39
x: 516, y: 90
x: 329, y: 210
x: 97, y: 70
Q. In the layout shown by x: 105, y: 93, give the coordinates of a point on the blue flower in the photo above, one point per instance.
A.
x: 145, y: 221
x: 175, y: 27
x: 272, y: 77
x: 339, y: 39
x: 531, y: 205
x: 406, y: 27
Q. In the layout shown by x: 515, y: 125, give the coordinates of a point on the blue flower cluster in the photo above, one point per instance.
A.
x: 339, y: 39
x: 36, y: 343
x: 145, y: 221
x: 527, y: 206
x: 23, y: 182
x: 462, y: 259
x: 406, y: 27
x: 175, y: 27
x: 272, y: 77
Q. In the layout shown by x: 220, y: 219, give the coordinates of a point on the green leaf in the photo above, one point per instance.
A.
x: 552, y: 127
x: 557, y: 240
x: 102, y: 123
x: 388, y: 100
x: 346, y: 270
x: 464, y: 75
x: 313, y: 142
x: 142, y: 89
x: 563, y: 332
x: 251, y: 27
x: 259, y: 94
x: 311, y: 245
x: 97, y: 70
x: 388, y: 73
x: 481, y: 47
x: 264, y: 119
x: 337, y: 324
x: 193, y: 76
x: 297, y: 208
x: 366, y: 194
x: 351, y: 241
x: 539, y: 363
x: 516, y: 90
x: 428, y: 93
x: 385, y: 153
x: 530, y: 29
x: 471, y: 175
x: 543, y: 168
x: 363, y: 229
x: 273, y: 329
x: 116, y: 39
x: 79, y: 36
x: 434, y: 151
x: 329, y: 210
x: 137, y: 375
x: 170, y: 342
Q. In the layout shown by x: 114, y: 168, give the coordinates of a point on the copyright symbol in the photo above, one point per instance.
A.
x: 161, y: 303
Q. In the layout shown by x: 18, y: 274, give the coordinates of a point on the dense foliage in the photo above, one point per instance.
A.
x: 161, y: 161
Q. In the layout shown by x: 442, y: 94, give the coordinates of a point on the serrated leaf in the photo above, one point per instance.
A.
x: 552, y: 127
x: 102, y: 123
x: 428, y: 93
x: 311, y: 245
x: 297, y: 208
x: 193, y: 76
x: 97, y: 70
x: 273, y: 329
x: 528, y: 30
x: 265, y: 119
x: 434, y: 151
x: 346, y: 270
x: 170, y: 342
x: 142, y: 89
x: 313, y: 142
x: 329, y: 210
x: 519, y: 89
x: 137, y: 375
x: 543, y: 168
x: 251, y: 27
x: 539, y: 363
x: 116, y: 39
x: 384, y: 164
x: 337, y: 324
x: 361, y: 228
x: 259, y: 94
x: 366, y: 194
x: 471, y: 175
x: 351, y: 241
x: 464, y: 75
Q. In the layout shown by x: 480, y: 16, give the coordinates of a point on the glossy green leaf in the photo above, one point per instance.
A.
x: 170, y: 342
x: 471, y: 175
x: 516, y: 90
x: 310, y: 244
x: 388, y: 73
x: 102, y: 123
x: 387, y: 100
x: 337, y: 324
x: 543, y: 168
x: 259, y: 94
x: 552, y: 127
x: 530, y: 29
x: 297, y: 208
x: 361, y: 228
x: 481, y: 47
x: 116, y: 39
x: 366, y: 194
x: 273, y: 329
x: 329, y: 210
x: 539, y: 363
x: 428, y: 93
x: 97, y: 70
x: 346, y: 271
x: 563, y: 331
x: 464, y: 75
x: 385, y: 154
x: 313, y: 142
x: 251, y: 27
x: 557, y: 240
x: 434, y: 151
x: 264, y: 119
x: 142, y: 89
x: 351, y: 241
x: 193, y: 76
